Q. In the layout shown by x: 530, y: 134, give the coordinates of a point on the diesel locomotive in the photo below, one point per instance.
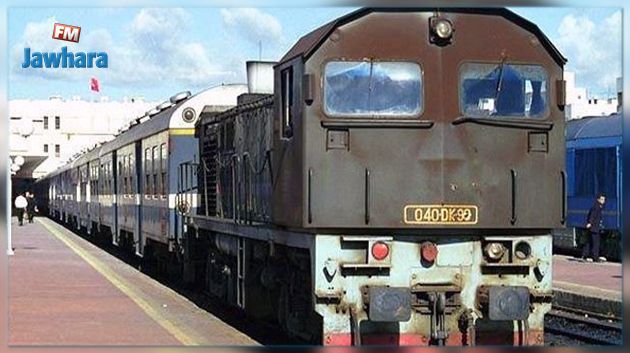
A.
x: 398, y: 185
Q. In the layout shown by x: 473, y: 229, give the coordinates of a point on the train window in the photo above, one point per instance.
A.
x: 156, y: 166
x: 121, y: 178
x: 164, y: 155
x: 128, y: 174
x: 105, y: 179
x: 374, y: 89
x: 505, y: 90
x: 287, y: 102
x: 596, y: 171
x: 164, y: 164
x: 147, y: 171
x: 131, y: 173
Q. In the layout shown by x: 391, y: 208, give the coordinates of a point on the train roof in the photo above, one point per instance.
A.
x: 594, y: 127
x: 222, y: 97
x: 91, y: 154
x: 309, y: 43
x: 156, y: 123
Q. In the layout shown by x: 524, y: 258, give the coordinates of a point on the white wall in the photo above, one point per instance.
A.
x: 82, y: 124
x: 578, y: 103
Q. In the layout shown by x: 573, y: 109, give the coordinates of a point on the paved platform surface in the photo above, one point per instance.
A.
x: 599, y: 278
x: 65, y: 291
x: 588, y: 286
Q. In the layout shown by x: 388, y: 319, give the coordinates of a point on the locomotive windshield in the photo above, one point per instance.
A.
x: 367, y: 88
x: 505, y: 90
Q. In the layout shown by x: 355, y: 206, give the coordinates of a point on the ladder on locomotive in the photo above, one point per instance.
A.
x: 186, y: 201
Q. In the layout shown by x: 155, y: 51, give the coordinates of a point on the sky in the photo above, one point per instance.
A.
x: 156, y: 52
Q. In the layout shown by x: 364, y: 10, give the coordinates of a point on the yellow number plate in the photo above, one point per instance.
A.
x: 440, y: 214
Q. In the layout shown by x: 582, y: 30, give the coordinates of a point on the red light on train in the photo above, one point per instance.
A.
x: 380, y: 250
x: 428, y: 251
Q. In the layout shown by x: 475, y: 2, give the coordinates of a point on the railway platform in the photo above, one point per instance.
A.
x: 587, y: 286
x: 63, y: 290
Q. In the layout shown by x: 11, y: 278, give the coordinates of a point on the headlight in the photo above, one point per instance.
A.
x: 440, y: 31
x: 495, y: 251
x: 188, y: 115
x: 522, y: 250
x: 443, y: 29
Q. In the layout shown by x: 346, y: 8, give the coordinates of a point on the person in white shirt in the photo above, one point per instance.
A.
x: 20, y: 204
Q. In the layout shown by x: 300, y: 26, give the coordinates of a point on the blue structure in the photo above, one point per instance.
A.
x: 594, y: 164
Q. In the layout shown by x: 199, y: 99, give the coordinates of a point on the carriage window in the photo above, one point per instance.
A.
x: 107, y: 178
x: 504, y: 90
x: 375, y: 89
x: 596, y: 171
x: 123, y: 180
x: 164, y: 163
x: 147, y: 171
x: 156, y: 166
x: 164, y: 154
x: 131, y: 173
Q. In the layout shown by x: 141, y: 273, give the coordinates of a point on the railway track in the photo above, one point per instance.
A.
x: 566, y: 327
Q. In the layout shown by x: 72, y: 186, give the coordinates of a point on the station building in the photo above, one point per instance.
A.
x: 46, y: 133
x: 579, y: 104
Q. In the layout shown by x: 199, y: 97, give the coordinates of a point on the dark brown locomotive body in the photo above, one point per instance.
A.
x: 434, y: 187
x: 361, y: 172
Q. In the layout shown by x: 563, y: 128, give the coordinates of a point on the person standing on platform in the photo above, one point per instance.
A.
x: 20, y: 204
x: 31, y: 208
x: 594, y: 226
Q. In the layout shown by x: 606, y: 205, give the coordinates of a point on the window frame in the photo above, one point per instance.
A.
x: 147, y: 172
x: 154, y: 156
x: 543, y: 117
x: 595, y: 157
x: 121, y: 176
x: 374, y: 117
x: 163, y: 169
x: 287, y: 102
x: 130, y: 174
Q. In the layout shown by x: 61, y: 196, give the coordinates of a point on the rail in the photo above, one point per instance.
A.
x: 590, y: 329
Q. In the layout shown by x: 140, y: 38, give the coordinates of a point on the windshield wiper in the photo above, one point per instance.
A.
x: 497, y: 90
x: 506, y: 122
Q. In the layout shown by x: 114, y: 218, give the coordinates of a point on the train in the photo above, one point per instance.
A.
x: 594, y: 165
x: 123, y: 191
x: 395, y: 182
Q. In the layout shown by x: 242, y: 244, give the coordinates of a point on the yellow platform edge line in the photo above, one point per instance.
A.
x: 122, y: 285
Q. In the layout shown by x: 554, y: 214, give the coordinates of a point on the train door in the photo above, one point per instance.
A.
x: 95, y: 210
x: 88, y: 197
x: 78, y: 197
x: 114, y: 192
x: 85, y: 191
x: 137, y: 192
